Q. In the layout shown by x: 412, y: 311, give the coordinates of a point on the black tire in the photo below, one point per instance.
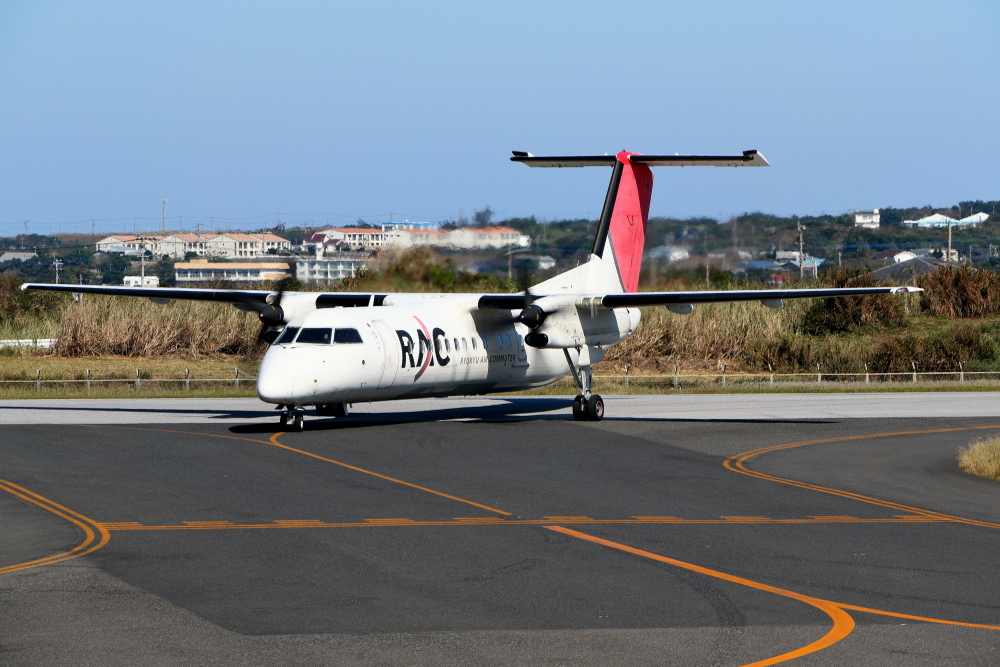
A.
x: 283, y: 419
x: 299, y: 423
x: 580, y: 409
x: 339, y: 410
x: 595, y: 408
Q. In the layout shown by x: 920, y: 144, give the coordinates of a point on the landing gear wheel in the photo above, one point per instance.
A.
x: 580, y: 408
x: 298, y: 424
x: 595, y: 408
x: 339, y: 410
x: 283, y: 419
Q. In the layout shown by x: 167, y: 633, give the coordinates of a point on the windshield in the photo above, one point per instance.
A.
x: 347, y: 336
x: 315, y: 336
x: 287, y: 336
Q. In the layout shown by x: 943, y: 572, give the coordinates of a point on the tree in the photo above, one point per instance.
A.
x: 483, y: 217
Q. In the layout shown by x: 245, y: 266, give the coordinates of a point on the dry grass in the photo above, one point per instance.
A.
x: 711, y: 334
x: 105, y: 325
x: 981, y: 457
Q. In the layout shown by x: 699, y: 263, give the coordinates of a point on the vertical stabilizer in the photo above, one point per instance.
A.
x: 621, y: 234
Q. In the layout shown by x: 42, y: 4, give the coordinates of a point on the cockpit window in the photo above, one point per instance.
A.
x: 287, y: 335
x: 315, y: 336
x: 346, y: 336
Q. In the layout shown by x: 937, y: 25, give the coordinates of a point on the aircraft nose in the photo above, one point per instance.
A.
x: 274, y: 384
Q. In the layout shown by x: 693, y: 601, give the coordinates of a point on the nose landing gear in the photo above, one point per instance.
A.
x: 294, y: 414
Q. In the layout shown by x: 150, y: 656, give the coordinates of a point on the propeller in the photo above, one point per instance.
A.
x: 269, y: 314
x: 531, y: 315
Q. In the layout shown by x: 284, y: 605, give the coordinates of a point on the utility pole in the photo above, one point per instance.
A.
x: 840, y: 266
x: 164, y: 214
x: 57, y: 263
x: 802, y: 263
x: 142, y: 269
x: 948, y: 258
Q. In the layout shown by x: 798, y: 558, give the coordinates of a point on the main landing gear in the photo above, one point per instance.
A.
x: 587, y: 406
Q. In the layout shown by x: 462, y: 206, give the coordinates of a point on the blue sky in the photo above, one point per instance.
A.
x: 238, y: 111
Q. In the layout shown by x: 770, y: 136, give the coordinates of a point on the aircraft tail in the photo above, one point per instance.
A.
x: 621, y: 232
x: 616, y: 258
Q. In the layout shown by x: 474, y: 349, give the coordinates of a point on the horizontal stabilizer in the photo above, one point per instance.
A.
x: 748, y: 159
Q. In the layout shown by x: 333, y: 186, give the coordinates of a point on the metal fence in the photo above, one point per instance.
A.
x: 681, y: 380
x: 668, y: 381
x: 239, y: 379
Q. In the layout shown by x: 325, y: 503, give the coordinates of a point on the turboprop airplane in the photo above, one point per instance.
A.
x: 330, y: 350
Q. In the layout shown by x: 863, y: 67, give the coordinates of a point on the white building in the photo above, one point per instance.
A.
x: 202, y: 271
x: 11, y: 256
x: 938, y: 220
x: 867, y: 219
x: 141, y: 281
x: 176, y: 246
x: 326, y: 270
x: 463, y: 238
x: 129, y: 244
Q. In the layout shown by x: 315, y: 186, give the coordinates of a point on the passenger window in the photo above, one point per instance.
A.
x: 347, y: 336
x: 287, y: 336
x: 485, y: 346
x: 499, y: 342
x: 474, y: 343
x: 508, y: 340
x: 315, y: 336
x: 447, y: 345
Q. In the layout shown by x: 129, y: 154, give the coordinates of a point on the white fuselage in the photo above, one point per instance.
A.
x: 432, y: 345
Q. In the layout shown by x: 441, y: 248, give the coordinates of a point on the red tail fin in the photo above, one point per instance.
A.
x: 627, y: 229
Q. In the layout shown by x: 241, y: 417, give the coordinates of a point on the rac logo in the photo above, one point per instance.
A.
x: 428, y: 347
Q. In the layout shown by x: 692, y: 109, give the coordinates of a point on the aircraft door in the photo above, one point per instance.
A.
x: 390, y: 353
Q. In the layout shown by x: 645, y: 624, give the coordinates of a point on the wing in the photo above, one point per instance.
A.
x: 633, y: 299
x: 238, y: 297
x: 676, y: 298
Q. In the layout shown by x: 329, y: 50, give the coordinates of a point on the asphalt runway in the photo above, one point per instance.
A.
x: 499, y: 532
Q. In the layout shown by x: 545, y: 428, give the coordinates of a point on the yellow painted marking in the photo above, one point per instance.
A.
x: 274, y: 441
x: 842, y: 621
x: 496, y: 521
x: 843, y: 624
x: 738, y: 464
x: 95, y: 535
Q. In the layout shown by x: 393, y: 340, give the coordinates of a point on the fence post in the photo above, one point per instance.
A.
x: 236, y: 382
x: 137, y: 383
x: 723, y: 366
x: 187, y: 379
x: 819, y: 376
x: 961, y: 372
x: 38, y: 380
x: 913, y: 365
x: 626, y: 373
x: 675, y: 376
x: 88, y: 379
x: 866, y: 374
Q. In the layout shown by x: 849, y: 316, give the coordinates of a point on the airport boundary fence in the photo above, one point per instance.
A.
x: 240, y: 381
